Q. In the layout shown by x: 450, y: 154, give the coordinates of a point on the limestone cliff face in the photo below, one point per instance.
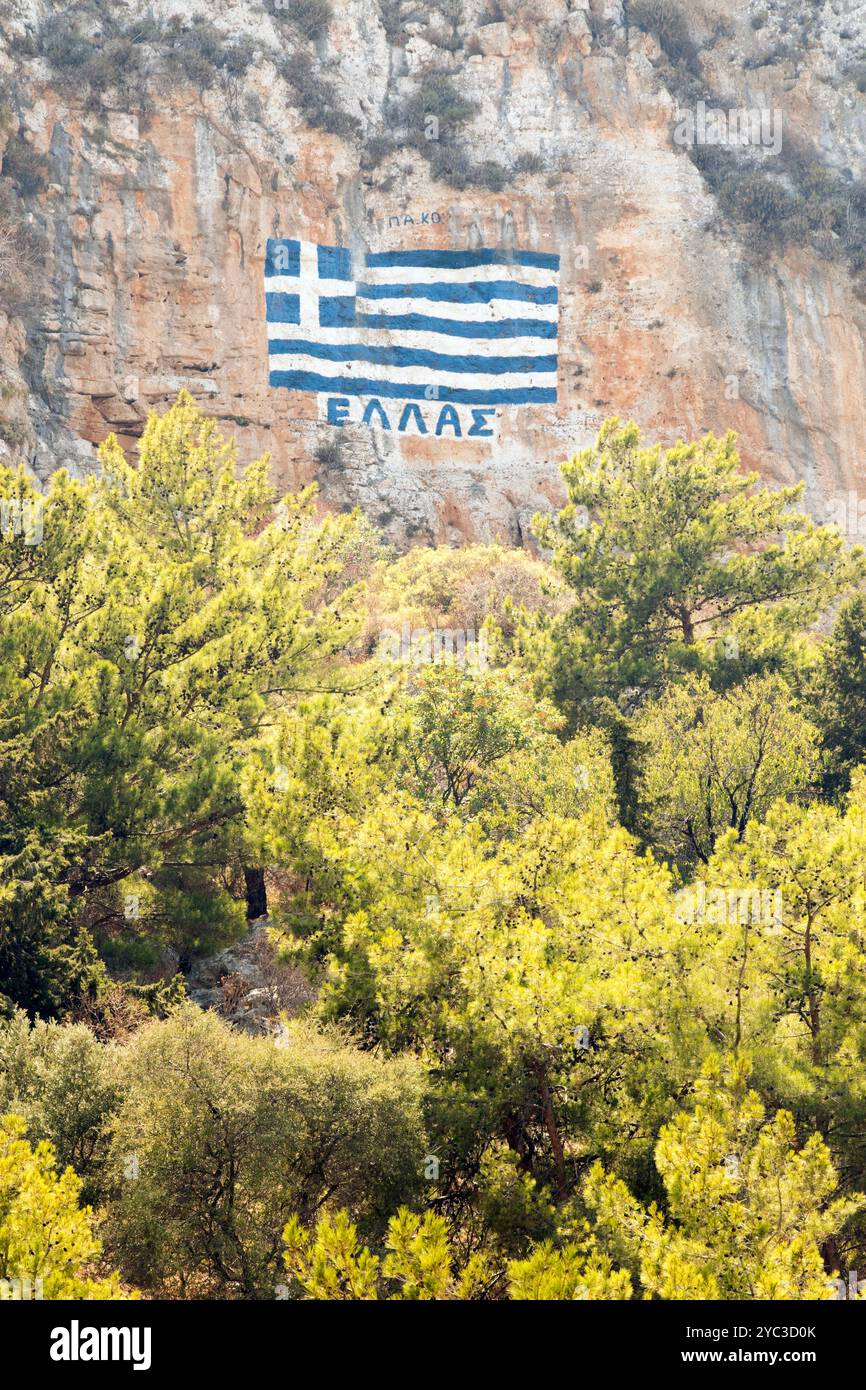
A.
x: 154, y: 220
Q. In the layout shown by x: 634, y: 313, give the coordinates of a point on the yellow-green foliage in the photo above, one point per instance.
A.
x: 167, y: 609
x: 44, y: 1234
x: 667, y: 548
x: 747, y: 1208
x: 581, y: 912
x: 747, y: 1211
x: 715, y: 761
x: 418, y: 1264
x: 460, y: 588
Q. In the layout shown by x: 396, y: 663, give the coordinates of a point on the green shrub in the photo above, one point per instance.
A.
x: 396, y: 14
x: 450, y: 163
x: 309, y: 17
x: 377, y: 148
x: 330, y: 455
x: 24, y: 167
x: 10, y: 98
x: 857, y: 75
x: 61, y: 41
x: 232, y: 1136
x: 802, y: 202
x: 490, y: 174
x: 65, y: 1085
x: 438, y: 100
x: 758, y: 200
x: 237, y: 57
x: 119, y: 56
x: 22, y: 249
x: 666, y: 22
x: 93, y: 63
x: 529, y: 163
x: 318, y: 99
x: 199, y: 52
x: 160, y: 997
x: 13, y: 432
x: 436, y: 96
x: 777, y: 53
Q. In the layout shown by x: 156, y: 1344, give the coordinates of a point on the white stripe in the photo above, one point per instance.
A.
x: 460, y: 313
x: 431, y: 342
x: 412, y: 376
x: 299, y: 284
x: 440, y: 274
x: 309, y: 278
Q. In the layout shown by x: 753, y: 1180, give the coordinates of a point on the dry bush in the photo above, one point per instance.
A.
x: 17, y: 264
x: 114, y: 1017
x: 288, y: 986
x: 234, y: 987
x: 458, y: 588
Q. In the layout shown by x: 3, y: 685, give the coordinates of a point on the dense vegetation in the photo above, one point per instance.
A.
x: 573, y: 873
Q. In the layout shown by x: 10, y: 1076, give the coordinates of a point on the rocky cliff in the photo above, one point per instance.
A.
x: 149, y: 156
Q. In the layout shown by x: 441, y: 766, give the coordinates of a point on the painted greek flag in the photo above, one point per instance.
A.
x: 473, y: 327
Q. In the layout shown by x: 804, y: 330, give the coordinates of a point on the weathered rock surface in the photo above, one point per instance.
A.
x: 248, y: 986
x: 155, y: 225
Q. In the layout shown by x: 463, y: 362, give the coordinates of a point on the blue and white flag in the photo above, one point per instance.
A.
x: 471, y: 327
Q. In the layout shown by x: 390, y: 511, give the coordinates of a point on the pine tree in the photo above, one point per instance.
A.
x: 164, y: 617
x: 44, y: 1235
x: 747, y: 1209
x: 668, y: 550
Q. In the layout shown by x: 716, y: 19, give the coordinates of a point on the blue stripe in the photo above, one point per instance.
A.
x: 282, y: 256
x: 283, y: 308
x: 335, y: 263
x: 398, y: 390
x: 459, y: 328
x: 478, y: 292
x: 337, y: 310
x: 410, y: 357
x: 463, y: 260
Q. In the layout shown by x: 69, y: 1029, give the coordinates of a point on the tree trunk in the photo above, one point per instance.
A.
x: 518, y: 1142
x: 257, y: 893
x: 552, y: 1130
x: 814, y: 1005
x: 687, y: 625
